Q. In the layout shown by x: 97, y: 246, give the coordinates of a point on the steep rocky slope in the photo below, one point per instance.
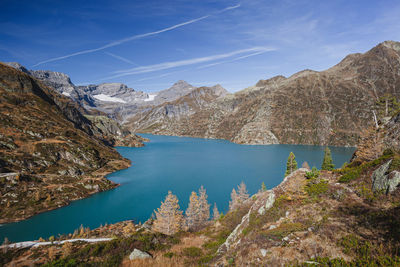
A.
x: 50, y: 154
x: 116, y: 100
x: 84, y: 96
x: 329, y: 107
x: 161, y: 117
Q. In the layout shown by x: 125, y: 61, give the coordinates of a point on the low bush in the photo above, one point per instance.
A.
x: 192, y: 252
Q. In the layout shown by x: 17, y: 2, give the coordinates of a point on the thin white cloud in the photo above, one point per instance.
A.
x: 186, y: 62
x: 134, y: 37
x: 230, y: 7
x: 232, y: 60
x: 121, y: 58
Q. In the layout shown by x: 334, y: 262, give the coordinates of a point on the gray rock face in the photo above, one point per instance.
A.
x: 392, y: 135
x: 17, y: 66
x: 179, y: 89
x: 383, y: 181
x: 118, y: 91
x: 166, y: 114
x: 57, y: 80
x: 138, y: 254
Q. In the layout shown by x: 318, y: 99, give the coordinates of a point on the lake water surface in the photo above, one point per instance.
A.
x: 179, y: 164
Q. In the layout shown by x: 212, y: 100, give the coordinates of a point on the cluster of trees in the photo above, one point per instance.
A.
x: 327, y: 162
x: 169, y: 219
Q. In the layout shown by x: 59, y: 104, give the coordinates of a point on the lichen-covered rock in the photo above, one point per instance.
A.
x: 138, y: 254
x: 268, y: 203
x: 383, y: 181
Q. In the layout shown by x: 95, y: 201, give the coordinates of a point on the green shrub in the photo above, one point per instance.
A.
x: 315, y: 189
x: 313, y: 174
x: 283, y: 230
x: 350, y: 176
x: 169, y: 254
x: 192, y: 252
x: 61, y: 263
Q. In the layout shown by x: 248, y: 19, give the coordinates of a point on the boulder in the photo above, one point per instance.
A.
x: 384, y: 181
x: 138, y: 254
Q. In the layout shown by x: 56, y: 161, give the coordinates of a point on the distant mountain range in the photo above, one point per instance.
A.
x: 330, y: 107
x: 115, y: 99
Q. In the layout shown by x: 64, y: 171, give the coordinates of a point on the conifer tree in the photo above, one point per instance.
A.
x: 242, y: 193
x: 327, y: 163
x: 233, y: 204
x: 192, y: 212
x: 215, y: 212
x: 263, y: 187
x: 204, y: 207
x: 291, y: 164
x: 169, y: 216
x: 238, y: 197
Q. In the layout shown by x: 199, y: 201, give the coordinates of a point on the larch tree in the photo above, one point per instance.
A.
x: 204, y: 207
x: 291, y: 164
x: 327, y: 163
x: 215, y: 212
x: 192, y: 212
x: 169, y: 216
x: 305, y: 165
x: 238, y: 197
x: 234, y: 203
x: 242, y: 193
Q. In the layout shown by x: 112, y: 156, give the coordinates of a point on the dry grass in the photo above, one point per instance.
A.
x: 177, y: 259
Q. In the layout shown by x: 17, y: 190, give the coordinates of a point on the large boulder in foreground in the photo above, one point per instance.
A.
x: 383, y: 180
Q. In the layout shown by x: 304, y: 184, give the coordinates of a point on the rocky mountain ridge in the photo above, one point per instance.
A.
x: 116, y: 100
x: 330, y: 107
x: 50, y: 153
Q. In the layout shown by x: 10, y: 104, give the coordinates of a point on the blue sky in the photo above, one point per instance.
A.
x: 149, y: 45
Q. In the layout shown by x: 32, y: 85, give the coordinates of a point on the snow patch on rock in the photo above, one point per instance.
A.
x: 107, y: 98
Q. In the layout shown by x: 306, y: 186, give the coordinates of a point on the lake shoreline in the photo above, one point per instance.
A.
x: 207, y: 162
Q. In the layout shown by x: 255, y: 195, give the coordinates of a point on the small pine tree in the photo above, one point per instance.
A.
x: 192, y: 212
x: 291, y: 164
x: 327, y: 163
x: 169, y: 216
x: 263, y: 187
x: 215, y: 212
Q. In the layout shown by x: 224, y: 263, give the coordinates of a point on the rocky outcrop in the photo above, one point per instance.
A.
x: 120, y: 136
x: 57, y: 80
x: 384, y: 181
x: 50, y: 154
x: 162, y: 118
x: 391, y: 136
x: 138, y: 254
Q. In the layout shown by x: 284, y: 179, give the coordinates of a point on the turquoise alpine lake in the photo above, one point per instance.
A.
x: 179, y: 164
